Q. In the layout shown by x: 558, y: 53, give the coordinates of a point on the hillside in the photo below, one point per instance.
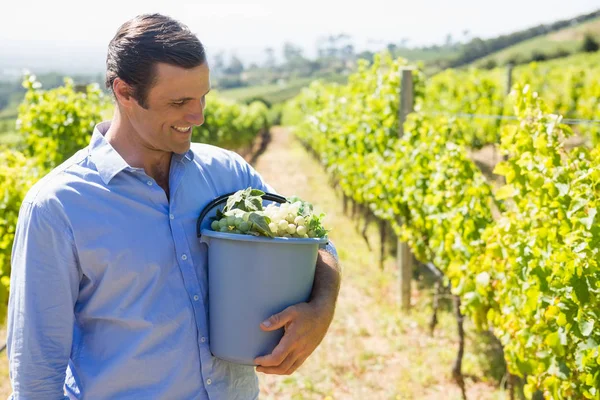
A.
x: 567, y: 40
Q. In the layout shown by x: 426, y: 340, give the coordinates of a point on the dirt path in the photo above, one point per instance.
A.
x: 371, y: 351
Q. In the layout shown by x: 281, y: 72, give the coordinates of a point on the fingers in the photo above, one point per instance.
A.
x: 288, y: 367
x: 279, y: 354
x: 296, y: 365
x: 279, y: 320
x: 280, y: 369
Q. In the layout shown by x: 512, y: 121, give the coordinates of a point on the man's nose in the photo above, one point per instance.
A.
x: 196, y: 118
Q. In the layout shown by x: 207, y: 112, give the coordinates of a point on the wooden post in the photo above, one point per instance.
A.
x: 404, y: 258
x: 382, y: 244
x: 407, y: 98
x: 509, y: 71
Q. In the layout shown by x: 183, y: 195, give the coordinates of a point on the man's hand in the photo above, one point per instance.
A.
x: 305, y: 327
x: 305, y: 324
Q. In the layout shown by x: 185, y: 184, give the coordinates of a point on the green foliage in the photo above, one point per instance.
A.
x: 541, y: 257
x: 569, y: 86
x: 56, y: 123
x: 469, y: 92
x: 231, y: 125
x: 524, y: 258
x: 590, y: 44
x: 17, y: 174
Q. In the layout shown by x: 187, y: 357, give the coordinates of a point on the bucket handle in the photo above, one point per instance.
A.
x: 222, y: 199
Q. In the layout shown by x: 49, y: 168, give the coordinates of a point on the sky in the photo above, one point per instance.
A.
x: 63, y: 34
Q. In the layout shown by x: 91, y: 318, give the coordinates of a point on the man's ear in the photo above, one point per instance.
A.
x: 123, y: 93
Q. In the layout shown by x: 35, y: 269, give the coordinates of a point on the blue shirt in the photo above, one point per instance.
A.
x: 108, y: 294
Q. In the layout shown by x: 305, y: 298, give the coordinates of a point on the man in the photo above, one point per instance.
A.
x: 109, y: 287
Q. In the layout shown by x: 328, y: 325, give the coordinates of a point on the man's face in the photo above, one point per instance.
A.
x: 174, y: 105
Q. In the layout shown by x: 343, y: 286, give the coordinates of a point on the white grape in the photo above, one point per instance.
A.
x: 291, y: 228
x: 244, y: 226
x: 299, y: 220
x: 301, y: 230
x: 273, y: 227
x: 282, y: 225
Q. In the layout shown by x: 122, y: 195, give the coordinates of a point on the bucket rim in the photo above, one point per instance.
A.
x: 263, y: 239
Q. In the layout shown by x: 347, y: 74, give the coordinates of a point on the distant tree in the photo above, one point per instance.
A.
x: 291, y: 52
x: 560, y: 53
x: 347, y: 52
x: 466, y: 33
x: 219, y: 62
x: 366, y: 55
x: 489, y: 64
x: 270, y: 57
x: 235, y: 66
x: 538, y: 56
x: 590, y: 45
x: 449, y: 40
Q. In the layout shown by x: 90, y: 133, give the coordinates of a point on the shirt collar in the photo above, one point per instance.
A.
x: 109, y: 162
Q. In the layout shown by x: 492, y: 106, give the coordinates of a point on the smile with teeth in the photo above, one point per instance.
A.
x: 182, y: 129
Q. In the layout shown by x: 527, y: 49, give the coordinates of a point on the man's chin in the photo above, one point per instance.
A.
x: 182, y: 148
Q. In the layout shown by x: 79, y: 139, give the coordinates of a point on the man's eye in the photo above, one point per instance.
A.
x: 178, y: 103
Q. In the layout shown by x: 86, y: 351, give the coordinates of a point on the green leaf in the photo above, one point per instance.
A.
x: 247, y: 200
x: 505, y: 192
x: 589, y: 220
x: 502, y: 168
x: 586, y: 326
x: 552, y: 340
x: 580, y: 286
x: 563, y: 188
x: 260, y: 224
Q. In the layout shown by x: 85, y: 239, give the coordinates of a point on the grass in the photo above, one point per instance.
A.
x: 372, y: 350
x: 570, y: 39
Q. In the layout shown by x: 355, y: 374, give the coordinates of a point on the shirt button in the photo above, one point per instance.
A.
x: 208, y: 381
x: 203, y: 339
x: 149, y: 183
x: 184, y: 257
x: 196, y: 297
x: 171, y: 216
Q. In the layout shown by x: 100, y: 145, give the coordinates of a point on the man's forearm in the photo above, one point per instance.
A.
x: 326, y: 286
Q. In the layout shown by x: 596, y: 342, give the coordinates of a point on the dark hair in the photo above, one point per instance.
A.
x: 142, y: 42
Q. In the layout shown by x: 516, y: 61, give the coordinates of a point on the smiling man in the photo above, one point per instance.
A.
x: 109, y: 286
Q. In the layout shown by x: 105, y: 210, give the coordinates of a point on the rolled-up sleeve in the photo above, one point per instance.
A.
x: 44, y: 286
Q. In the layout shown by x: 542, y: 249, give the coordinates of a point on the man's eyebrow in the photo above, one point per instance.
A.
x: 189, y: 98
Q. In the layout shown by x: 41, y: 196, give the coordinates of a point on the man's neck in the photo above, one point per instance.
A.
x: 126, y: 141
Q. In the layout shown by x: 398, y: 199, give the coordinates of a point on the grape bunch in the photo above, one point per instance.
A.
x: 244, y: 214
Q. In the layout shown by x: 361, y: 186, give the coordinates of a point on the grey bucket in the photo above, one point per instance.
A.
x: 249, y: 279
